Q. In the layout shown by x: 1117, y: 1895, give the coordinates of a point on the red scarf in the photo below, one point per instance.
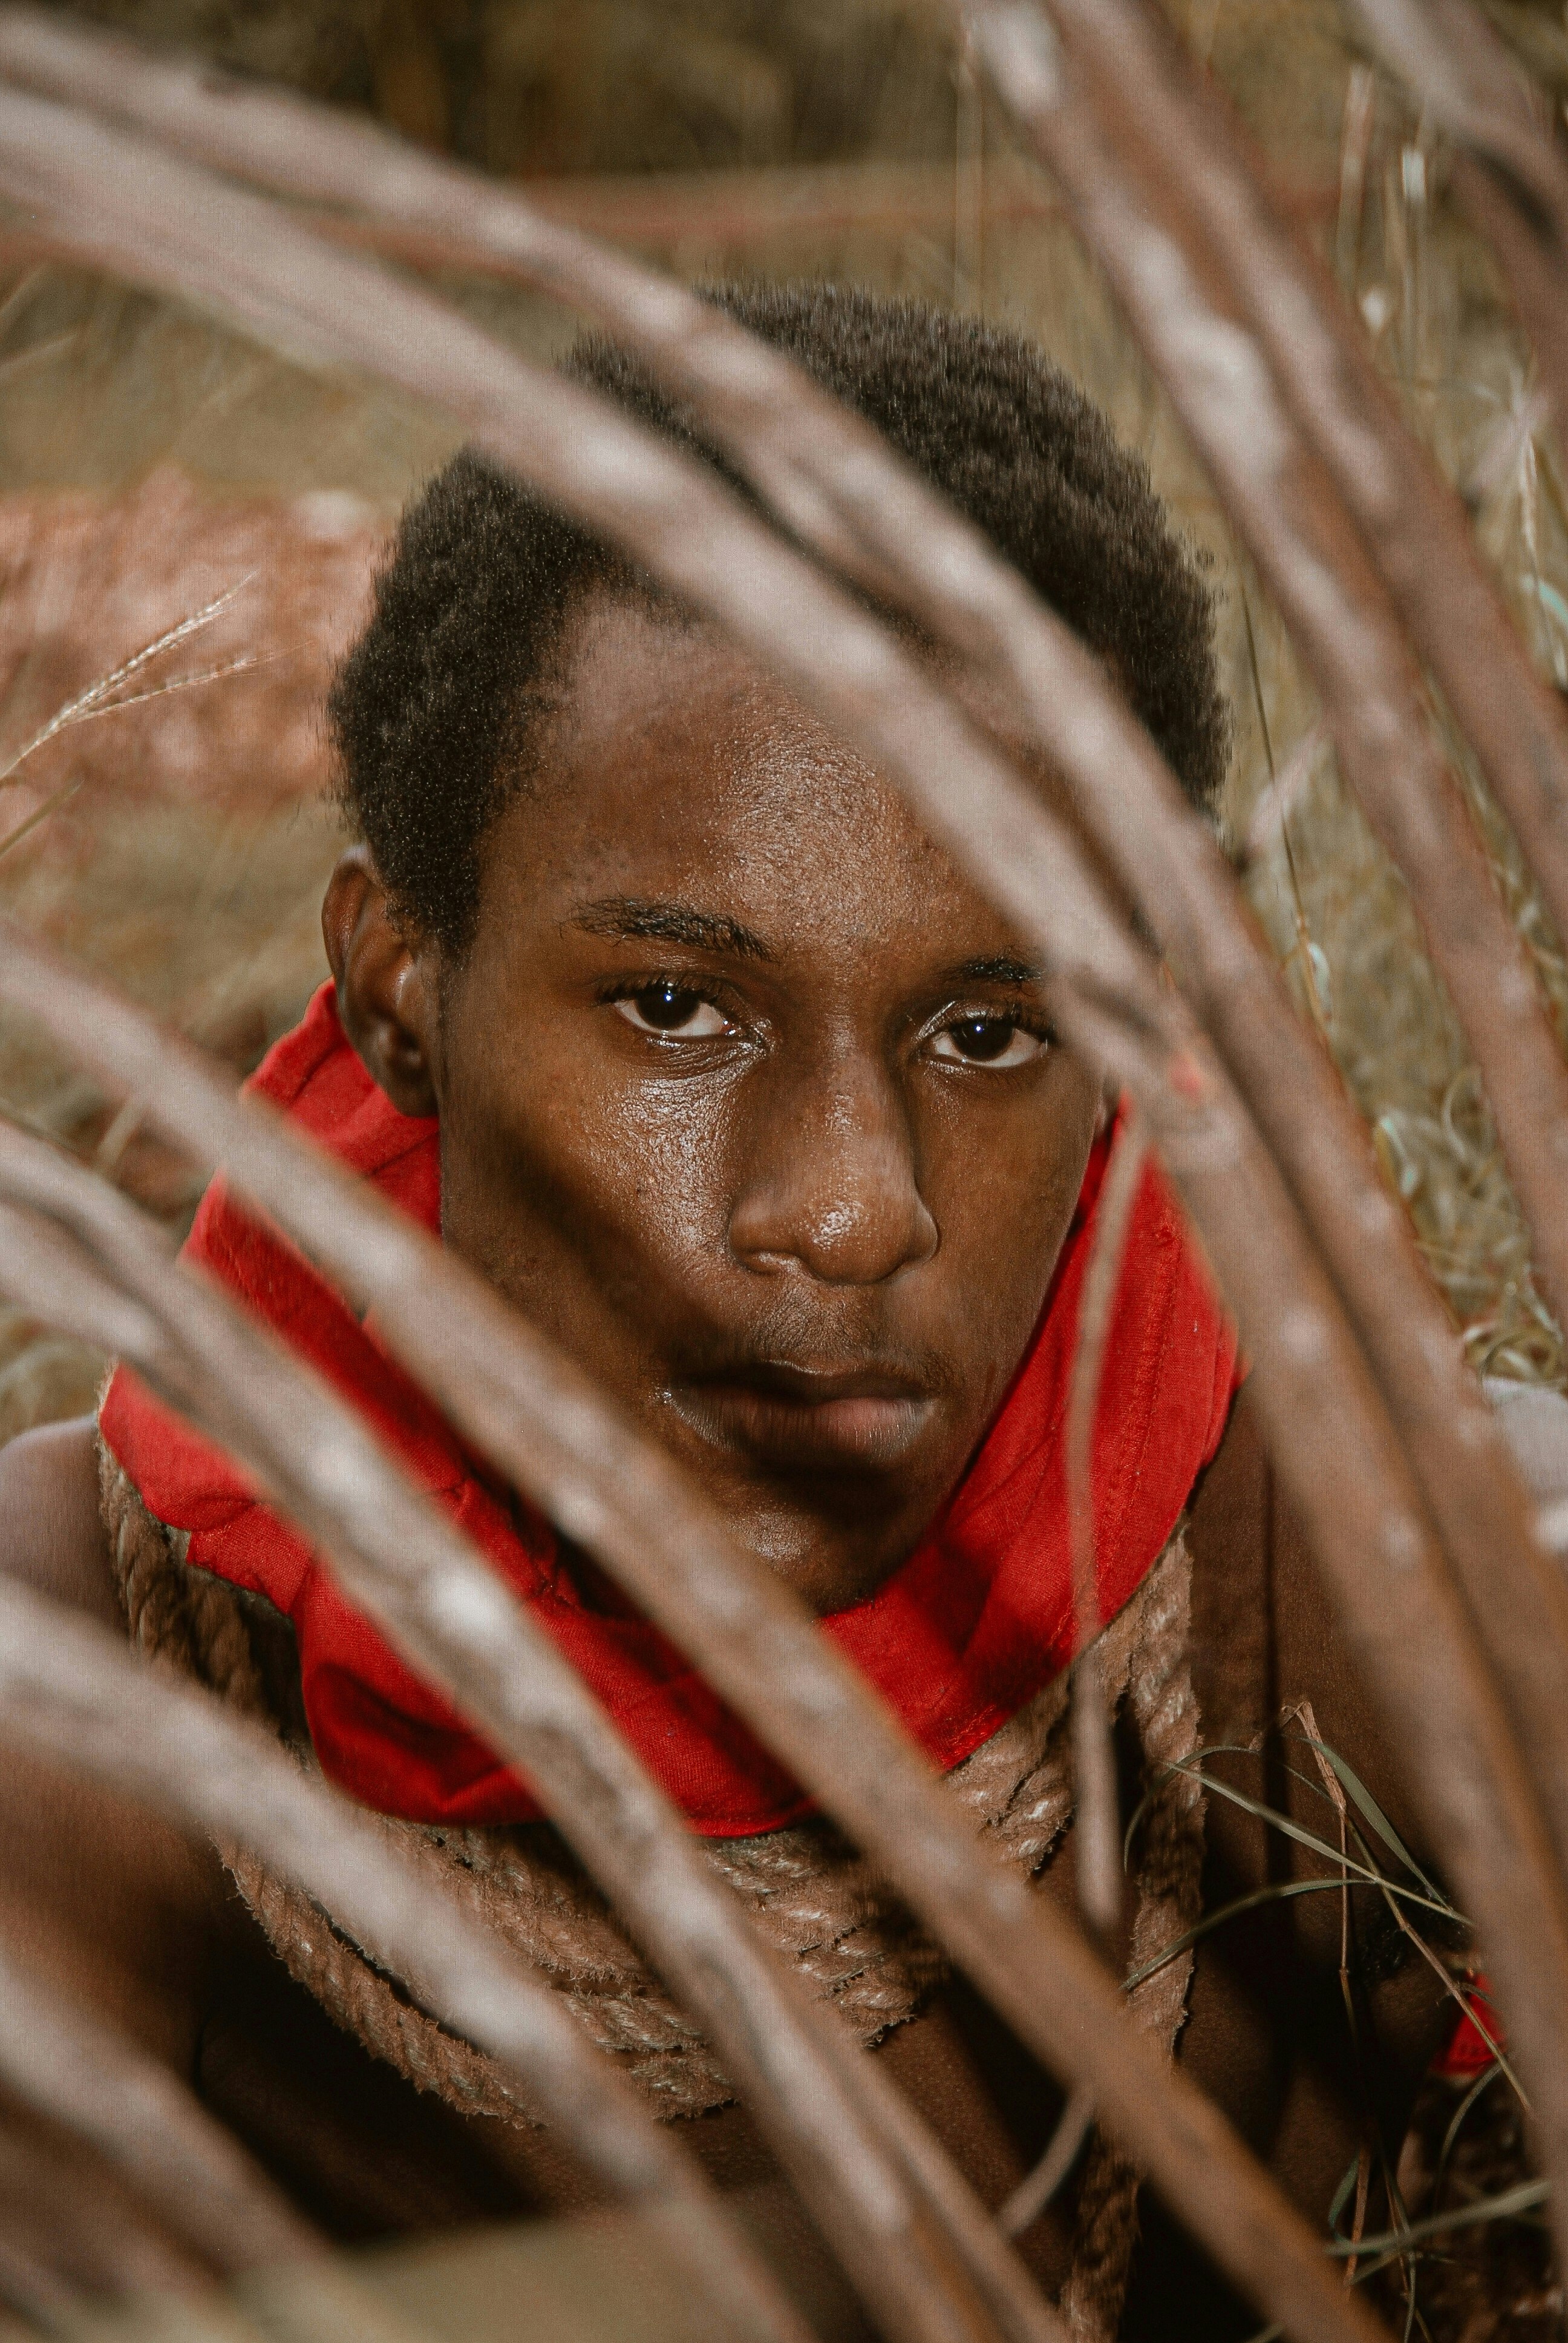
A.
x: 972, y: 1626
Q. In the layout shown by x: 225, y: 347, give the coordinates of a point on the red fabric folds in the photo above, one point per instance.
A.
x: 1468, y: 2052
x: 972, y: 1625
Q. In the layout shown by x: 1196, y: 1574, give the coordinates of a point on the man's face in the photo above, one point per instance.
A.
x: 747, y: 1098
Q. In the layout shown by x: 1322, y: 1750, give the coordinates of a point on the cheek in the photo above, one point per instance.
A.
x: 560, y: 1167
x: 1001, y: 1180
x: 599, y: 1200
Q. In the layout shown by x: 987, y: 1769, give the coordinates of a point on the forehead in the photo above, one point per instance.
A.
x: 674, y: 769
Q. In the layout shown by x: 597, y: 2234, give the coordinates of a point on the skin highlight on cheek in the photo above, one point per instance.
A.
x: 750, y: 1101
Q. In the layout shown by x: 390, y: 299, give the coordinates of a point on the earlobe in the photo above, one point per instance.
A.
x: 385, y: 992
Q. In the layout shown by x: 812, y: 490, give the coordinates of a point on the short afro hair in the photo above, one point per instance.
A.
x: 434, y: 709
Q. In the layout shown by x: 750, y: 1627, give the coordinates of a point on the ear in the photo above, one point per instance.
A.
x: 386, y: 985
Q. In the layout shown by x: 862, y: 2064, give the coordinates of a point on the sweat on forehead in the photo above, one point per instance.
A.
x: 679, y: 794
x: 435, y: 714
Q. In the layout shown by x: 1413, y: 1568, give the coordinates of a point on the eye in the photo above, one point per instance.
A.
x: 674, y: 1012
x: 994, y: 1041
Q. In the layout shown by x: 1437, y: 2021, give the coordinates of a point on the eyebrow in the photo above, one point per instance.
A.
x: 626, y: 918
x: 1001, y: 969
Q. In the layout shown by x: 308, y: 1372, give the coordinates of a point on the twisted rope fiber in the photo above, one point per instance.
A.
x: 814, y: 1898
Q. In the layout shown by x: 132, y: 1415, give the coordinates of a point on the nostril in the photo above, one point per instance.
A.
x: 832, y: 1184
x: 855, y: 1223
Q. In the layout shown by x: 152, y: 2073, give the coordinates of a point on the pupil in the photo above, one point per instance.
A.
x: 665, y: 1006
x: 983, y: 1037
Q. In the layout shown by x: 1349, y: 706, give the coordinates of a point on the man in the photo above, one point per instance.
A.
x: 659, y: 1004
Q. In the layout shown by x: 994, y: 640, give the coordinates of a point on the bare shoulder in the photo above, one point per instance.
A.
x: 1267, y: 2035
x: 1271, y: 1669
x: 112, y: 1907
x: 1265, y: 1634
x: 51, y: 1535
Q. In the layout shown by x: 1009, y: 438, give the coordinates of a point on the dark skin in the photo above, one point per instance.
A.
x: 747, y: 1097
x: 750, y: 1100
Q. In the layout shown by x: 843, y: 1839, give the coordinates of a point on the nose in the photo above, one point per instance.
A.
x: 832, y: 1184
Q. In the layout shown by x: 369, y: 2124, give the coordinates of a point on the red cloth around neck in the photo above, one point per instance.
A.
x: 972, y: 1626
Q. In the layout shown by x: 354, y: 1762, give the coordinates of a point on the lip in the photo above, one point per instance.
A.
x: 788, y: 1415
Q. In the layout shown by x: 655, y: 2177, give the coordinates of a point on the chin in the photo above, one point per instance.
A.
x: 832, y: 1552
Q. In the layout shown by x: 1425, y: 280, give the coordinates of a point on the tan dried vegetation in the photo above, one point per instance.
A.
x: 152, y: 463
x: 189, y: 524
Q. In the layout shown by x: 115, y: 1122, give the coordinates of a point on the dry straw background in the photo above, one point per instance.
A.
x: 153, y: 466
x: 165, y: 483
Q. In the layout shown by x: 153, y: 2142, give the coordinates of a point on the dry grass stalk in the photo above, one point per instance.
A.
x: 1036, y: 2190
x: 840, y: 488
x: 106, y: 693
x: 827, y: 472
x: 606, y: 1470
x: 76, y: 1697
x: 1413, y: 526
x: 1315, y: 1385
x: 1512, y: 176
x: 1085, y: 115
x: 1097, y: 1828
x: 1059, y: 1996
x: 1097, y: 1825
x: 59, y: 2061
x: 87, y: 1258
x: 1172, y: 1129
x: 107, y: 696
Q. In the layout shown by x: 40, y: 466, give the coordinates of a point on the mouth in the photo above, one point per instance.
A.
x: 785, y: 1414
